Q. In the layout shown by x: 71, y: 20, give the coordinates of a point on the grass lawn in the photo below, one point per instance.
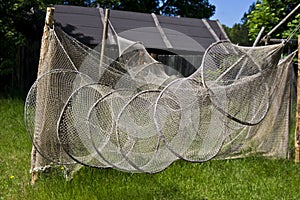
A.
x: 249, y: 178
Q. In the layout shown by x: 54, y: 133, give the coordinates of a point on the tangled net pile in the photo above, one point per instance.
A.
x: 120, y: 109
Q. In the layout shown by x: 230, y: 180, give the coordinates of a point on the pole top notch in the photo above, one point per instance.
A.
x: 49, y: 16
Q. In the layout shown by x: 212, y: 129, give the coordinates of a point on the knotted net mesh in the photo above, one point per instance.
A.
x: 117, y: 107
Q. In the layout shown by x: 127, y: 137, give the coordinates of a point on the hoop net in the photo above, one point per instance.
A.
x: 119, y: 108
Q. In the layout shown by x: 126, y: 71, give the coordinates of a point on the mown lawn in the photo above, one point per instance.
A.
x: 250, y: 178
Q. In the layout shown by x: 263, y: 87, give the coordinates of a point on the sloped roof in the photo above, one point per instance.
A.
x: 154, y: 31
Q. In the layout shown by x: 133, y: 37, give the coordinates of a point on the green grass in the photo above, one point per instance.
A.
x: 250, y: 178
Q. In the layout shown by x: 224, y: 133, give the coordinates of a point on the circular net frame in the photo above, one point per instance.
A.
x: 51, y: 90
x: 244, y: 75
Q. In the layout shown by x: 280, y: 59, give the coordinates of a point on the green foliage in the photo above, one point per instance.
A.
x: 183, y: 8
x: 269, y: 13
x: 292, y: 25
x: 188, y: 8
x: 238, y: 34
x: 147, y: 6
x: 19, y: 25
x: 21, y: 22
x: 250, y: 178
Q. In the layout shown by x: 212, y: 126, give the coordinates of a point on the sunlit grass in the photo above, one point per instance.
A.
x: 250, y: 178
x: 14, y: 149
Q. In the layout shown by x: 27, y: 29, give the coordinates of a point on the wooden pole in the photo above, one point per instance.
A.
x: 44, y: 47
x: 104, y: 37
x: 297, y: 130
x: 258, y: 36
x: 45, y: 44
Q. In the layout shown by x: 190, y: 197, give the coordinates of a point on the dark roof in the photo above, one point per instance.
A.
x: 181, y: 34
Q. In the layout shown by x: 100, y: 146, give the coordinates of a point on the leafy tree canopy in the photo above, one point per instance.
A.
x: 18, y: 24
x: 238, y: 34
x: 183, y: 8
x: 269, y: 13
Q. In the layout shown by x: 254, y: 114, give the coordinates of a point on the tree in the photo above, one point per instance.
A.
x: 238, y: 34
x: 146, y: 6
x: 21, y: 23
x: 269, y: 13
x: 188, y: 8
x: 10, y: 37
x: 183, y: 8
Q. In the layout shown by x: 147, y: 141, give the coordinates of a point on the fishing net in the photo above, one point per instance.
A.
x: 117, y: 107
x: 72, y: 125
x: 102, y: 127
x: 190, y: 125
x: 41, y: 120
x: 245, y: 76
x: 269, y: 137
x: 137, y: 136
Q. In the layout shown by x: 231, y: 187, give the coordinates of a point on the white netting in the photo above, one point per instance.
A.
x: 121, y: 109
x: 44, y: 103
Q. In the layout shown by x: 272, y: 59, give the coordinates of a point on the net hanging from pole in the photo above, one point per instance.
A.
x: 125, y: 112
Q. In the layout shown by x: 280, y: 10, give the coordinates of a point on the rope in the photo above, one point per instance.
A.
x: 292, y: 34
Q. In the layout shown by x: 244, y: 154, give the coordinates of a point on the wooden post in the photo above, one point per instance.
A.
x: 297, y: 130
x: 104, y: 37
x: 44, y: 47
x: 258, y: 36
x: 45, y: 43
